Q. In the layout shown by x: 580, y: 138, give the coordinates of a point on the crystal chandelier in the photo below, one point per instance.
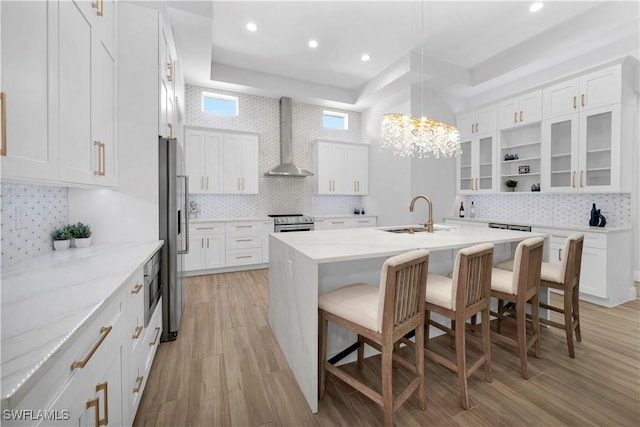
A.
x: 421, y: 137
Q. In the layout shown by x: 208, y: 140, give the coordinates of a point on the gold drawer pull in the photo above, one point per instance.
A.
x: 582, y: 99
x: 105, y: 420
x: 244, y: 226
x: 155, y: 339
x: 92, y: 403
x: 244, y: 240
x: 574, y: 103
x: 104, y: 331
x: 3, y: 117
x: 581, y: 173
x: 136, y: 389
x: 244, y: 256
x: 136, y: 289
x: 137, y: 332
x: 515, y: 117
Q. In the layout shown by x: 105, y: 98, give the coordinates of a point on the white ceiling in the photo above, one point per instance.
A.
x: 470, y: 47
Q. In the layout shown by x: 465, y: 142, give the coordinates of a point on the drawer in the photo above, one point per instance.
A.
x: 244, y: 256
x: 246, y: 241
x: 595, y: 240
x: 134, y: 291
x: 243, y: 228
x: 99, y: 335
x: 363, y: 222
x: 207, y: 227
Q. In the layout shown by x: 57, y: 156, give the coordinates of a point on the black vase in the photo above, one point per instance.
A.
x: 602, y: 219
x: 595, y: 216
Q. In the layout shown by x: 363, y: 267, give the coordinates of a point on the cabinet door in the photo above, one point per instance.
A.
x: 356, y: 169
x: 211, y: 158
x: 31, y: 144
x: 600, y: 88
x: 485, y: 177
x: 196, y: 258
x: 560, y: 99
x: 466, y: 183
x: 107, y: 390
x: 249, y: 164
x: 593, y: 272
x: 267, y: 228
x: 530, y: 108
x: 486, y: 120
x: 78, y: 152
x: 232, y: 164
x: 599, y: 167
x: 323, y: 169
x: 466, y: 124
x: 508, y: 113
x: 194, y: 147
x: 215, y: 250
x: 559, y: 154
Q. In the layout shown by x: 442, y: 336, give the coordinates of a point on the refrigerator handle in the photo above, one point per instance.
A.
x: 186, y: 214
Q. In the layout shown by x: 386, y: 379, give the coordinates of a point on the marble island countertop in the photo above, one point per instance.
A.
x: 572, y: 227
x: 361, y: 243
x: 46, y: 298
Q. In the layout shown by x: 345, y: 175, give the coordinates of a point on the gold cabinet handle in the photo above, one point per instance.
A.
x: 574, y: 103
x: 581, y: 172
x: 3, y: 114
x: 169, y: 71
x: 477, y: 184
x: 244, y: 256
x: 170, y: 126
x: 202, y: 182
x: 202, y: 243
x: 137, y: 332
x: 243, y: 240
x: 515, y: 117
x: 155, y: 338
x: 136, y: 289
x: 207, y: 183
x: 94, y: 403
x: 582, y: 99
x: 105, y: 420
x: 472, y: 124
x: 477, y: 126
x: 520, y: 115
x: 207, y: 243
x: 101, y: 12
x: 104, y: 331
x: 573, y: 179
x: 136, y: 389
x: 243, y: 226
x: 99, y: 145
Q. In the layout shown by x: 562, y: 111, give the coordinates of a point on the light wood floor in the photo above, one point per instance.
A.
x: 226, y: 369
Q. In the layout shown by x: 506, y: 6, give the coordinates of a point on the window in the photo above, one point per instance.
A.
x: 334, y: 120
x: 223, y: 105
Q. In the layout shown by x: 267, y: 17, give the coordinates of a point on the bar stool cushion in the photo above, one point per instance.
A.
x: 549, y: 272
x: 502, y: 280
x: 439, y: 291
x: 357, y: 303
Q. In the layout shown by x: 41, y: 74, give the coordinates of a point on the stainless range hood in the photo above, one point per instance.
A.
x: 286, y: 166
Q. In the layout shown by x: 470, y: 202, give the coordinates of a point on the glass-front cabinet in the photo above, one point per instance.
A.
x: 476, y: 164
x: 581, y: 152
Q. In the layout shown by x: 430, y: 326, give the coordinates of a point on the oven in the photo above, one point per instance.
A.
x: 152, y: 286
x: 292, y: 222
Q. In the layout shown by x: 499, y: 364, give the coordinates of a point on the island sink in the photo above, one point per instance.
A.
x: 404, y: 229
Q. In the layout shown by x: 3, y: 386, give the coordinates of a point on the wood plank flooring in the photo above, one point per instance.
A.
x: 226, y: 369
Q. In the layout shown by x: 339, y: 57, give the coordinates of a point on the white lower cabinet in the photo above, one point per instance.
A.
x: 605, y: 270
x: 206, y: 246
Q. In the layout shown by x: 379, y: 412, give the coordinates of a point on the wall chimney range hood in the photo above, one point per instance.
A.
x: 286, y: 166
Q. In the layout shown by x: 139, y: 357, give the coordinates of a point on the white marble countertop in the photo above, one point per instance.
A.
x: 46, y: 298
x: 362, y: 243
x: 554, y: 226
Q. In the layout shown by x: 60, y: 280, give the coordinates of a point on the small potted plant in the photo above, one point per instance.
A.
x: 511, y: 184
x: 61, y: 238
x: 81, y: 234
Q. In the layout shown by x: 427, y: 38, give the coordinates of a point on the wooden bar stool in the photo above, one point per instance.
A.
x: 460, y: 298
x: 382, y: 316
x: 519, y: 287
x: 565, y: 277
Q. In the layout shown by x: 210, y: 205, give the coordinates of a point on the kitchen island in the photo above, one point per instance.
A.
x: 305, y: 265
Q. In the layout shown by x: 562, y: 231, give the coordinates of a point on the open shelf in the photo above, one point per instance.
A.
x: 521, y: 174
x: 529, y: 159
x: 600, y: 150
x: 560, y: 155
x: 519, y: 145
x: 598, y: 169
x: 556, y: 172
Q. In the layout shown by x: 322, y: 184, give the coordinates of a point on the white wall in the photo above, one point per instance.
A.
x: 635, y: 197
x: 131, y: 212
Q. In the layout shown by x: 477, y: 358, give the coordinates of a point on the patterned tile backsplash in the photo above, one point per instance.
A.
x: 550, y: 209
x: 29, y: 214
x: 275, y: 195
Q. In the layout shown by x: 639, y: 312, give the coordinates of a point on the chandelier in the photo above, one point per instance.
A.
x: 421, y: 137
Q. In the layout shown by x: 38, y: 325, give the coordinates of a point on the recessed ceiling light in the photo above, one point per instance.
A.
x: 365, y: 57
x: 536, y: 6
x: 251, y: 26
x: 313, y: 43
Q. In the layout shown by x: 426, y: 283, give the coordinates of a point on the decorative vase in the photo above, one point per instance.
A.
x: 602, y: 219
x: 511, y: 189
x: 82, y: 242
x: 60, y: 245
x: 595, y: 218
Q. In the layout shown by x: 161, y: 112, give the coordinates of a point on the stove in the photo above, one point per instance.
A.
x: 292, y: 222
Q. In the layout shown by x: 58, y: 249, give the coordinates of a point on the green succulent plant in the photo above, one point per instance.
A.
x: 80, y: 231
x: 511, y: 183
x: 63, y: 233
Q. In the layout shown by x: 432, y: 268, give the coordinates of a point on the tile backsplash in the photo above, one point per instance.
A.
x: 29, y: 214
x: 550, y: 209
x: 275, y: 195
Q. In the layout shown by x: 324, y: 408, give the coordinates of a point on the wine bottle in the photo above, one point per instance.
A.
x: 461, y: 212
x: 472, y: 211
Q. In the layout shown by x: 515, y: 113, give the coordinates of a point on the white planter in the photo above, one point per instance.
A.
x: 82, y: 243
x: 59, y: 245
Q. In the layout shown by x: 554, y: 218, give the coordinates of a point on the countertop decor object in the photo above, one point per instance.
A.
x: 81, y: 235
x: 423, y: 137
x: 61, y: 238
x: 595, y: 218
x: 511, y: 184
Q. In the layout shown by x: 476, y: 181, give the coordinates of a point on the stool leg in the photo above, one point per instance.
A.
x: 322, y: 347
x: 360, y: 350
x: 422, y: 395
x: 568, y: 319
x: 576, y: 312
x: 521, y: 331
x: 427, y: 327
x: 500, y: 314
x: 462, y: 363
x: 387, y: 388
x: 535, y: 323
x: 486, y: 343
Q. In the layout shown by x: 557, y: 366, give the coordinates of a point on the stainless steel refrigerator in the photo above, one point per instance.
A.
x: 174, y: 229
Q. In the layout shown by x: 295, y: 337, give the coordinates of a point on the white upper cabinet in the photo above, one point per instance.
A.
x: 476, y: 171
x: 240, y: 164
x: 477, y: 122
x: 166, y: 119
x: 30, y: 141
x: 519, y: 111
x: 592, y: 90
x: 203, y: 158
x: 341, y: 168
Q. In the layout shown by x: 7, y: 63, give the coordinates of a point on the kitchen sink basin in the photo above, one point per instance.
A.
x: 415, y: 229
